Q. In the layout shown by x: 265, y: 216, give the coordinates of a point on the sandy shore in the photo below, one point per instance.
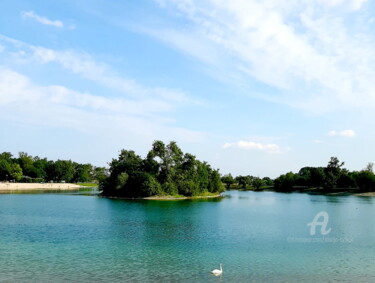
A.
x: 5, y: 187
x: 369, y: 194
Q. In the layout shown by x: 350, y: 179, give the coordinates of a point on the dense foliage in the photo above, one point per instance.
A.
x: 329, y: 178
x: 27, y: 168
x: 246, y: 182
x: 165, y: 171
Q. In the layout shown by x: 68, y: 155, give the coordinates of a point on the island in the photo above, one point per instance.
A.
x: 165, y: 173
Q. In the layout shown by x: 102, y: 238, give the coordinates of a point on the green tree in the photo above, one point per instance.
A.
x: 228, y: 180
x: 365, y: 180
x: 332, y: 173
x: 26, y: 162
x: 82, y: 173
x: 16, y: 171
x: 257, y: 183
x: 242, y: 181
x: 5, y: 165
x: 285, y: 182
x: 100, y: 174
x: 215, y: 184
x: 40, y: 167
x: 267, y: 181
x: 64, y: 170
x: 346, y: 180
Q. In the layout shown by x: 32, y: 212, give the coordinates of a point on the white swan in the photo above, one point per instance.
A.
x: 217, y: 272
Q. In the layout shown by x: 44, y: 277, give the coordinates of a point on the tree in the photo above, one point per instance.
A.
x: 286, y: 182
x: 346, y: 180
x: 267, y: 181
x: 257, y: 183
x: 5, y: 165
x: 168, y: 157
x: 40, y: 167
x: 215, y: 184
x: 370, y: 167
x: 16, y: 171
x: 242, y: 181
x: 227, y: 180
x: 365, y: 180
x: 317, y: 177
x: 26, y: 162
x: 100, y: 174
x: 64, y: 170
x: 332, y: 173
x: 82, y: 172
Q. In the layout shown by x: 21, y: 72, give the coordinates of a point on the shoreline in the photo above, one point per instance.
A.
x: 164, y: 197
x: 317, y: 192
x: 178, y: 198
x: 368, y: 194
x: 18, y: 187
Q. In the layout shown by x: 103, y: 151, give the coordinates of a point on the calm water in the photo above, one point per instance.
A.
x: 258, y: 237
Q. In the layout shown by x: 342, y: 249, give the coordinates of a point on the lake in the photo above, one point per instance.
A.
x: 257, y: 236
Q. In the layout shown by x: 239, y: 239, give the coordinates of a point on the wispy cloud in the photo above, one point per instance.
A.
x: 135, y: 109
x: 44, y: 20
x: 250, y: 145
x: 344, y: 133
x: 307, y: 51
x: 85, y: 65
x: 58, y: 106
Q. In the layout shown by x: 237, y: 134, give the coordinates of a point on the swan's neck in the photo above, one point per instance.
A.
x: 221, y: 269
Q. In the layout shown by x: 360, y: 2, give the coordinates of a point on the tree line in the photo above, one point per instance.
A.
x: 333, y: 177
x: 166, y: 170
x: 330, y: 178
x: 26, y: 168
x: 247, y: 182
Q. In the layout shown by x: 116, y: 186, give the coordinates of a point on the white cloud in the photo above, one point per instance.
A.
x: 349, y: 4
x: 187, y: 43
x: 250, y: 145
x: 44, y: 20
x: 344, y: 133
x: 314, y: 57
x: 85, y: 65
x: 23, y: 101
x: 136, y: 110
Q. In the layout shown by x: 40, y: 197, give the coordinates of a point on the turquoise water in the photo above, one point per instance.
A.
x: 257, y: 236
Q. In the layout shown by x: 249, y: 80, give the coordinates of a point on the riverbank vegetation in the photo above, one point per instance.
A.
x: 28, y: 169
x: 332, y: 178
x: 166, y: 170
x: 246, y: 182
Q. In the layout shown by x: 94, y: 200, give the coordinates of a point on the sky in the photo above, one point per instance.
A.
x: 252, y: 87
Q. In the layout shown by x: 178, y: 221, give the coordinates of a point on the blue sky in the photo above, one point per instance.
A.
x: 252, y: 87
